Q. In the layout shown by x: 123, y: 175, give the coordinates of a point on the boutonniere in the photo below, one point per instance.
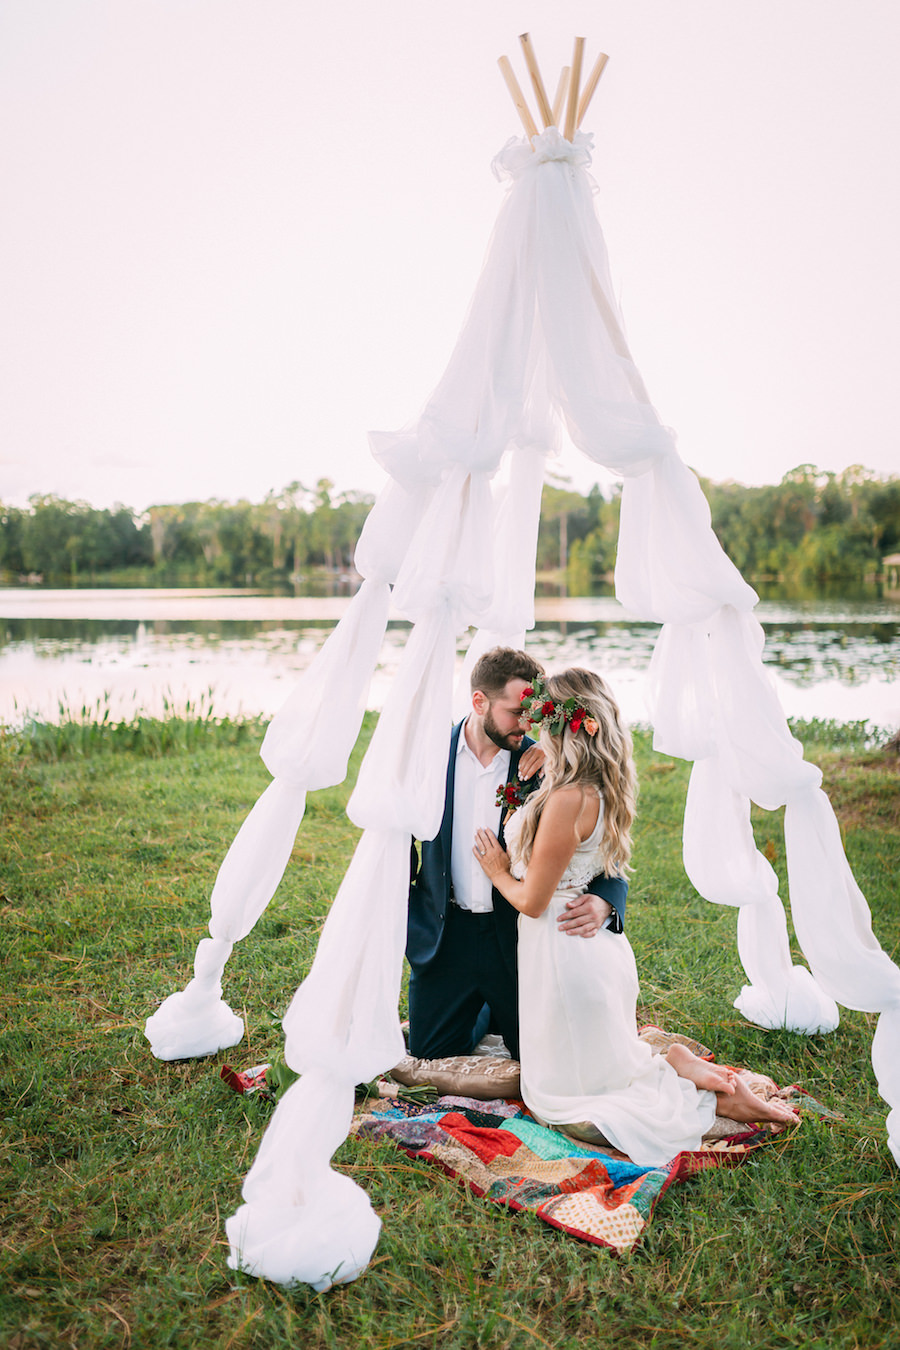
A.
x: 514, y: 793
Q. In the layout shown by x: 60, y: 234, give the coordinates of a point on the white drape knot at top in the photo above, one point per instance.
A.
x: 518, y: 157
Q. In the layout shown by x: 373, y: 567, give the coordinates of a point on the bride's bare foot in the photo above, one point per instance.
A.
x: 745, y: 1106
x: 716, y: 1078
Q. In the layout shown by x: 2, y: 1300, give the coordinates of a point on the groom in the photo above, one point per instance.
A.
x: 461, y: 934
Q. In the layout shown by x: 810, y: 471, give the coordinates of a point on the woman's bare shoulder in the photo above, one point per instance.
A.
x: 565, y: 801
x: 575, y: 804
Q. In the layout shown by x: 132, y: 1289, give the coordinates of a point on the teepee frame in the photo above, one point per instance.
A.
x: 446, y: 545
x: 567, y: 89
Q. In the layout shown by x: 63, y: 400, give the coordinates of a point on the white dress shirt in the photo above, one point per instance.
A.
x: 474, y: 807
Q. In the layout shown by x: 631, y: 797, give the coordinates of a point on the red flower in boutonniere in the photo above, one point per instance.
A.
x: 514, y: 793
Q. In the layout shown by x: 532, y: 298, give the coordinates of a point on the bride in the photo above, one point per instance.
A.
x: 581, y: 1058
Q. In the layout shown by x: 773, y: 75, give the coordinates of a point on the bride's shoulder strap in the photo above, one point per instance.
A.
x: 591, y: 806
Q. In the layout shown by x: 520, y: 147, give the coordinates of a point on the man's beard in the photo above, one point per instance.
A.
x: 511, y: 741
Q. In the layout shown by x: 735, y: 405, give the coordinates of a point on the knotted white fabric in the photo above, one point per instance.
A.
x: 454, y: 534
x: 197, y: 1020
x: 291, y: 1177
x: 304, y: 748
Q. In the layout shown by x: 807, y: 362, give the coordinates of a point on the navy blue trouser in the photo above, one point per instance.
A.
x: 447, y: 998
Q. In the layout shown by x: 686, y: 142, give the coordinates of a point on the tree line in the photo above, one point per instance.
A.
x: 813, y: 528
x: 195, y: 543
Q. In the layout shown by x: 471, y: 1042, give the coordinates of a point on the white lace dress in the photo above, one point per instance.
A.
x: 581, y: 1059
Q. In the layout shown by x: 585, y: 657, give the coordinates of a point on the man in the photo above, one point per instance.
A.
x: 461, y: 935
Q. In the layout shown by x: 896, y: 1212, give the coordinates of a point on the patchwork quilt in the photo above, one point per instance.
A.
x: 500, y: 1152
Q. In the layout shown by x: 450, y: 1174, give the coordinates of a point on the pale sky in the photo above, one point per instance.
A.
x: 237, y: 235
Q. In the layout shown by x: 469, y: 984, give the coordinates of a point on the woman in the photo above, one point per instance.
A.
x: 581, y: 1058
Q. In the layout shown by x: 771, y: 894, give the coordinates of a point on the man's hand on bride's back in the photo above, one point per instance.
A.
x: 584, y: 916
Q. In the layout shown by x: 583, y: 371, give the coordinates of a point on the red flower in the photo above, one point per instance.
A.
x: 548, y: 709
x: 527, y: 693
x: 577, y: 719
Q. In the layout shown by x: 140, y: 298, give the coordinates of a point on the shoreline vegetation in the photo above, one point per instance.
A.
x: 120, y: 1169
x: 814, y: 529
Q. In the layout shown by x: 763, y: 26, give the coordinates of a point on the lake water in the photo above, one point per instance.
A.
x: 142, y: 650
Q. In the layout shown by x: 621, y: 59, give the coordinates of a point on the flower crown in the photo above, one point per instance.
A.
x: 540, y: 710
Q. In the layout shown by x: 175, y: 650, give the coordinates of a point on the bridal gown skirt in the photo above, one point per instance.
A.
x: 581, y: 1059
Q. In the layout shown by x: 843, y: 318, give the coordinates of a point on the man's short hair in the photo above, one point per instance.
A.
x: 492, y: 672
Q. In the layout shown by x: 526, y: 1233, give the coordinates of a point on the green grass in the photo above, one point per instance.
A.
x: 119, y: 1170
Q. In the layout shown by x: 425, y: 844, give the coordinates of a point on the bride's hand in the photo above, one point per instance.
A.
x: 531, y: 762
x: 492, y: 857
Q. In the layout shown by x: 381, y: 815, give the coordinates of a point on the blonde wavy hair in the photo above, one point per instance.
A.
x: 576, y: 758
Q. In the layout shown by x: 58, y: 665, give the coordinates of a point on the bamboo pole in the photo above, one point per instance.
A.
x: 574, y: 83
x: 560, y: 93
x: 537, y: 83
x: 590, y: 87
x: 518, y: 97
x: 617, y: 338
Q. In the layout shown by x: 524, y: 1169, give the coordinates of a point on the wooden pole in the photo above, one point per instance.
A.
x: 560, y: 93
x: 617, y: 338
x: 574, y: 83
x: 537, y: 83
x: 590, y: 87
x: 518, y: 97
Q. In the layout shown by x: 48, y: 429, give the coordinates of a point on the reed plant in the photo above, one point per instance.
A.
x: 119, y: 1170
x: 91, y: 729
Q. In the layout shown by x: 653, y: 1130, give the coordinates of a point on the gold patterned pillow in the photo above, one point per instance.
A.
x: 477, y: 1076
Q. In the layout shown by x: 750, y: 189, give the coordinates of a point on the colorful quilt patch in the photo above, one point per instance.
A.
x: 503, y: 1154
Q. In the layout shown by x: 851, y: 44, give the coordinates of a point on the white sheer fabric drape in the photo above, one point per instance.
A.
x: 303, y: 749
x: 453, y: 534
